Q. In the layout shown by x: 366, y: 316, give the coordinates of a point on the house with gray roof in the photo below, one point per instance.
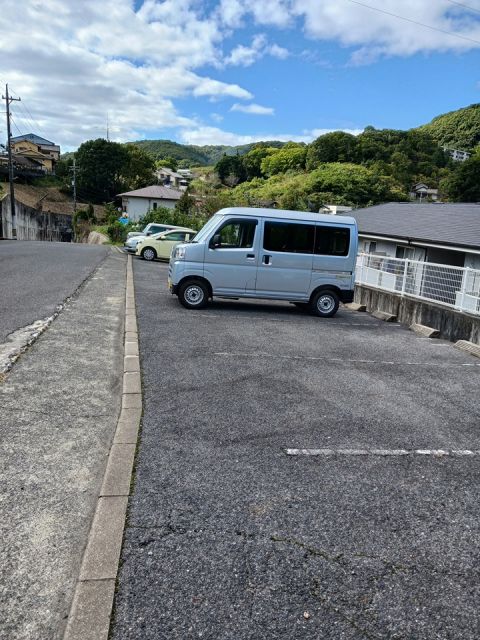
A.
x: 138, y: 202
x: 444, y: 233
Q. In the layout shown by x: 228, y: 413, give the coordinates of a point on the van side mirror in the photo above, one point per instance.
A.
x: 149, y: 233
x: 215, y: 241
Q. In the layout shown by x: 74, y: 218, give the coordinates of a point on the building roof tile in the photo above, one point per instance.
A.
x: 155, y: 191
x: 439, y: 223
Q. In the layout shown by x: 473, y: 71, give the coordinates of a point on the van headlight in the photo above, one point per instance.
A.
x: 179, y: 253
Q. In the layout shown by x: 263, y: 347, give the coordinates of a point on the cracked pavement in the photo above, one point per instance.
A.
x: 229, y: 538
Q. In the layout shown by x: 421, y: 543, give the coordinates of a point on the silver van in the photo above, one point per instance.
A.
x: 304, y: 258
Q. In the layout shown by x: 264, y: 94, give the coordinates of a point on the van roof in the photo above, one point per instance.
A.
x: 306, y: 216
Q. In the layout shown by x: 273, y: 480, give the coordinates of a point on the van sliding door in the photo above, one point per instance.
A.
x: 285, y: 260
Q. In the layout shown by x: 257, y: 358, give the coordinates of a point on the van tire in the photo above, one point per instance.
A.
x: 325, y: 303
x: 149, y: 254
x: 193, y: 294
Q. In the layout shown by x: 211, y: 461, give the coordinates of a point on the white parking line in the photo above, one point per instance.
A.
x: 435, y: 453
x: 445, y: 365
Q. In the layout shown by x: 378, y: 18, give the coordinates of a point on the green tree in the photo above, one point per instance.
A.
x: 463, y: 184
x: 252, y: 161
x: 230, y: 170
x: 290, y: 158
x: 186, y: 204
x: 337, y: 146
x: 168, y: 162
x: 139, y: 168
x: 101, y: 164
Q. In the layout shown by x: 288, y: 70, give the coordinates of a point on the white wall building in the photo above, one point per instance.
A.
x: 139, y: 202
x: 444, y: 233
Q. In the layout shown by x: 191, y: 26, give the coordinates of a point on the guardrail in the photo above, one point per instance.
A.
x: 456, y: 287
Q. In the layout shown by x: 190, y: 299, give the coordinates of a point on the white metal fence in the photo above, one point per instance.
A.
x: 457, y: 287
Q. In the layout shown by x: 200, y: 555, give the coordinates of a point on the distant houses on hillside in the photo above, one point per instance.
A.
x: 32, y: 155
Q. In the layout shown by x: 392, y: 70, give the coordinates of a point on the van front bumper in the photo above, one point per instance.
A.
x: 346, y: 296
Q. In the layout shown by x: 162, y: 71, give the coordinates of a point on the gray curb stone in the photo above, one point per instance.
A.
x: 131, y: 382
x: 470, y: 347
x: 102, y: 554
x: 424, y: 331
x: 116, y: 481
x: 131, y: 348
x: 383, y: 315
x: 132, y: 401
x: 355, y: 306
x: 131, y: 363
x: 90, y: 615
x: 91, y: 609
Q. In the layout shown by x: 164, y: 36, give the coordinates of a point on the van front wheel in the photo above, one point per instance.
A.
x: 193, y: 294
x: 325, y: 304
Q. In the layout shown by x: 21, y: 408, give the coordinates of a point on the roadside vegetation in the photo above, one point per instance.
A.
x: 378, y: 165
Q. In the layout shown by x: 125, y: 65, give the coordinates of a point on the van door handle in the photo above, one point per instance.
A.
x: 266, y: 260
x: 250, y: 256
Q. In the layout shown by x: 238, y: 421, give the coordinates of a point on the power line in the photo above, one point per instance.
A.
x: 15, y: 125
x: 464, y: 6
x: 32, y: 120
x: 420, y: 24
x: 8, y: 100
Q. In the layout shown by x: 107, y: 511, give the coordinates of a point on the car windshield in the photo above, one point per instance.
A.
x: 205, y: 230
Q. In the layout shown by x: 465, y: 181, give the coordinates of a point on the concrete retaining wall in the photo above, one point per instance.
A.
x: 34, y: 224
x: 453, y: 325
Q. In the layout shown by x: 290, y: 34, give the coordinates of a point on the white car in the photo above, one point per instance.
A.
x: 161, y: 244
x: 150, y: 229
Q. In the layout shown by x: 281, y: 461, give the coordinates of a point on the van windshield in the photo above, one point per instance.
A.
x: 207, y: 227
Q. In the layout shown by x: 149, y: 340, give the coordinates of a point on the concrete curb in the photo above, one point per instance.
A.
x: 424, y: 331
x: 470, y: 347
x: 383, y: 315
x: 91, y: 609
x: 355, y: 306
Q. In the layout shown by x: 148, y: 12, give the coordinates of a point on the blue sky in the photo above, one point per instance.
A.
x: 233, y: 71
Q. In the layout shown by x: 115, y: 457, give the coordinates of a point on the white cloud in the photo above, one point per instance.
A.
x: 377, y: 27
x: 246, y: 56
x: 278, y: 52
x: 84, y: 59
x: 212, y: 135
x: 255, y: 109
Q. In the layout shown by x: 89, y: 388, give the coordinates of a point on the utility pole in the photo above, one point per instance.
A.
x: 74, y: 184
x: 8, y: 100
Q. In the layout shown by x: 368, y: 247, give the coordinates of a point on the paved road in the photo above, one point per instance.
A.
x: 228, y: 537
x: 37, y: 276
x: 58, y: 411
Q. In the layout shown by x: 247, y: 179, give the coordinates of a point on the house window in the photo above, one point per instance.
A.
x: 155, y: 205
x: 405, y: 253
x: 369, y: 246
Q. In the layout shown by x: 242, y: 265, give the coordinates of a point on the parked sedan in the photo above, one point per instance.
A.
x: 161, y: 244
x: 133, y: 238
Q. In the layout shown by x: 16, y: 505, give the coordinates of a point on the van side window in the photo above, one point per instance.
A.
x: 288, y: 237
x: 332, y: 241
x: 237, y: 234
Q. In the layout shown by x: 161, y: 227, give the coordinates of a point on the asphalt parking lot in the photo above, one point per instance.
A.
x: 229, y: 536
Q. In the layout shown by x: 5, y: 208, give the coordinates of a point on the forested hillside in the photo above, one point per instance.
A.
x: 458, y: 129
x: 192, y: 154
x: 378, y: 165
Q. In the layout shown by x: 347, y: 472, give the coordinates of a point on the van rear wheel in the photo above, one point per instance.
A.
x: 193, y: 294
x: 325, y: 304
